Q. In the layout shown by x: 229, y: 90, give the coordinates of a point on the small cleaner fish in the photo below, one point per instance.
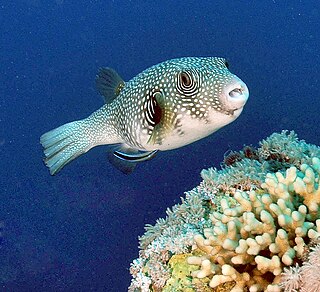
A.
x: 167, y: 106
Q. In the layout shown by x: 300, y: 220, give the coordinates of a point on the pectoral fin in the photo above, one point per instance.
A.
x: 165, y: 123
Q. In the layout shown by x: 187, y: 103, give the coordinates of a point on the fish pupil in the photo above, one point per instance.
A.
x: 185, y: 79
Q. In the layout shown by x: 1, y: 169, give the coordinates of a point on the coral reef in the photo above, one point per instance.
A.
x: 253, y: 225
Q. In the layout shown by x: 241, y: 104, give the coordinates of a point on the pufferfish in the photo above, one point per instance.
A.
x: 167, y: 106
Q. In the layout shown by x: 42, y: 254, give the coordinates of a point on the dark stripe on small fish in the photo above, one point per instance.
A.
x: 135, y: 157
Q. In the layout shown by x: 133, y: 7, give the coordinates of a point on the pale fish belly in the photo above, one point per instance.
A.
x: 194, y: 130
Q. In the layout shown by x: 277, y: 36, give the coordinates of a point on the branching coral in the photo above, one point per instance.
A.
x: 287, y: 149
x: 254, y: 231
x: 262, y: 233
x: 277, y: 152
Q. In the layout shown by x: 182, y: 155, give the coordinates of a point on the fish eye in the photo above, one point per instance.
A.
x: 187, y: 82
x: 226, y: 64
x: 185, y: 79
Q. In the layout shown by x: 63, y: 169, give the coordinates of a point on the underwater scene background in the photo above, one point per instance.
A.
x: 78, y: 231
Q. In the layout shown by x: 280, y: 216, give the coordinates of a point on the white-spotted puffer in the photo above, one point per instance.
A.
x: 167, y: 106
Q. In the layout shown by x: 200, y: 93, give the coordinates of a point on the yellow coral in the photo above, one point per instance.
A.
x: 181, y: 279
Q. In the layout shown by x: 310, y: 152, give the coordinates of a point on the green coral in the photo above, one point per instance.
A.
x: 242, y: 228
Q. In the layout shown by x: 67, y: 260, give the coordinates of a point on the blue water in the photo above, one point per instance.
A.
x: 78, y: 231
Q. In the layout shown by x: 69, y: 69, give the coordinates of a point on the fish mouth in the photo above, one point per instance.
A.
x: 236, y: 94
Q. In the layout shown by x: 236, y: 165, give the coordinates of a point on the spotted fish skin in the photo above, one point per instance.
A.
x: 167, y: 106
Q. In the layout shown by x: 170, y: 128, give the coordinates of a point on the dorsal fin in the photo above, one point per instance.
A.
x: 109, y: 84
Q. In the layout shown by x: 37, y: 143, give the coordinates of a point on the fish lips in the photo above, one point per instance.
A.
x: 235, y: 95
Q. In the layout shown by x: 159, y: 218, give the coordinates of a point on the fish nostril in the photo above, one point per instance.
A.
x: 236, y: 92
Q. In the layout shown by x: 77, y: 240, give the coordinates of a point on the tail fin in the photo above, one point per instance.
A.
x: 64, y: 144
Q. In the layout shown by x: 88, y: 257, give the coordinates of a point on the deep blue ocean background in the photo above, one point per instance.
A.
x: 78, y: 231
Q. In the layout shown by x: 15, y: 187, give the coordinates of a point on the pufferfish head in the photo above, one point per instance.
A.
x: 196, y: 97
